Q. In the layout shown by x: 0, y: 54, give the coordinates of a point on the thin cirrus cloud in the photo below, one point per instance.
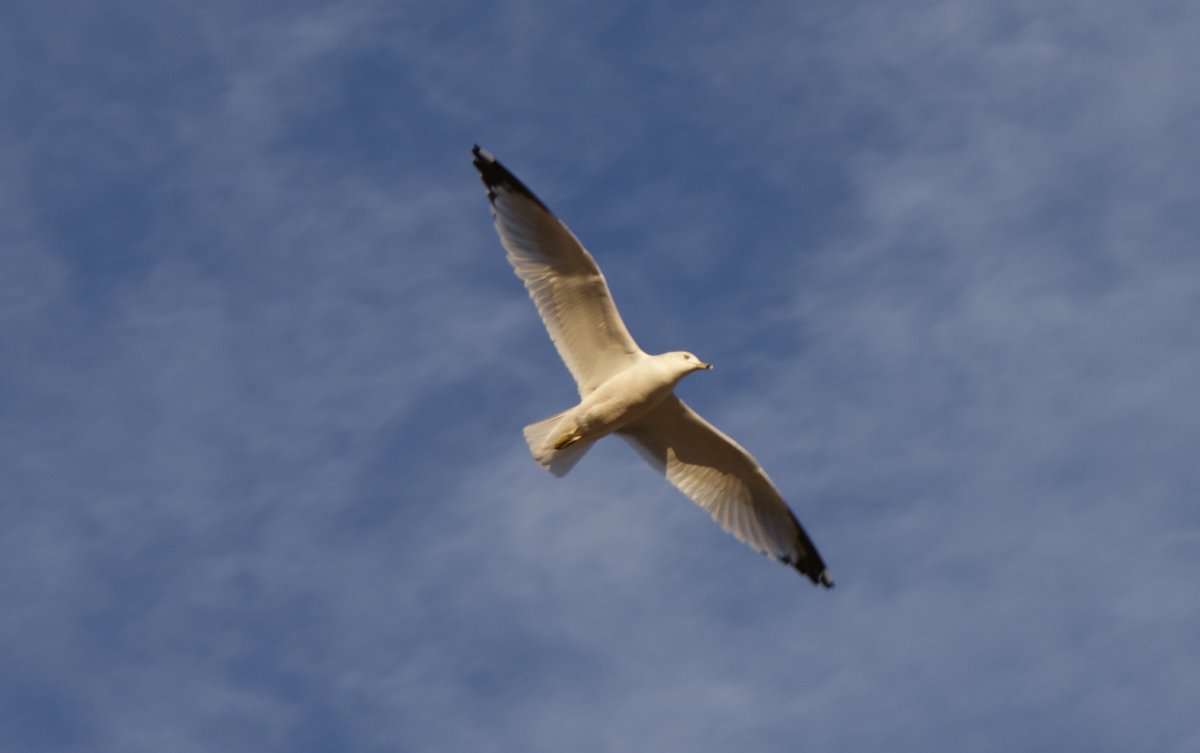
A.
x: 265, y: 373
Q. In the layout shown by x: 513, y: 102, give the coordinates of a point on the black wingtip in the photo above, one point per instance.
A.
x: 819, y: 577
x: 812, y: 568
x: 495, y: 175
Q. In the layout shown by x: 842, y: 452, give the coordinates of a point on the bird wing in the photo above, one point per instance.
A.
x: 721, y: 477
x: 562, y: 278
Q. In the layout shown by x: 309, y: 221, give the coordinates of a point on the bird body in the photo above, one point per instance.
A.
x: 626, y: 392
x: 558, y: 442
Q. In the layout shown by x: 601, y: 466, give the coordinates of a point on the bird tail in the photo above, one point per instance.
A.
x: 542, y: 437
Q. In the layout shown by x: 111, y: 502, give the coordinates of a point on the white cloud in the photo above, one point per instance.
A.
x: 265, y: 474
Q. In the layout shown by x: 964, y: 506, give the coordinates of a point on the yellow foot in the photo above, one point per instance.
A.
x: 568, y: 439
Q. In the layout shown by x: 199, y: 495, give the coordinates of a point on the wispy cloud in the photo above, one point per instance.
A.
x: 265, y: 370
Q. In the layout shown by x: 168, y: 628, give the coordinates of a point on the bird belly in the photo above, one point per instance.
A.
x: 624, y: 398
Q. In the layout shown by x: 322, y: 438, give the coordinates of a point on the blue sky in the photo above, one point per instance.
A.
x: 262, y: 481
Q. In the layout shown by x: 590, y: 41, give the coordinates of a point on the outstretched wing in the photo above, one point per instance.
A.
x: 562, y: 277
x: 720, y: 476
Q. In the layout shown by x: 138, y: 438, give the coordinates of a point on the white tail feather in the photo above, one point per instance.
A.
x: 541, y: 436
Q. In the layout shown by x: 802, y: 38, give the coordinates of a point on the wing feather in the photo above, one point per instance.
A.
x: 563, y: 279
x: 721, y: 477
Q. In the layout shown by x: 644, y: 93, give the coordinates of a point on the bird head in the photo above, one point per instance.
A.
x: 687, y: 362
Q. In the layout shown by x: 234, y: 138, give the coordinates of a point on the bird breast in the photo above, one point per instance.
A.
x: 623, y: 398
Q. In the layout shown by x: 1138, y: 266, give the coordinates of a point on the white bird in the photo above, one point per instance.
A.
x: 626, y: 392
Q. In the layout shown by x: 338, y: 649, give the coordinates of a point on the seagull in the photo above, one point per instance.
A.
x: 627, y: 392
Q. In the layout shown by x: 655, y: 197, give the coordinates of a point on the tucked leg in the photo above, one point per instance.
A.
x: 568, y: 439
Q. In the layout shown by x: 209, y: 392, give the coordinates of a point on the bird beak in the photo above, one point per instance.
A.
x: 706, y: 366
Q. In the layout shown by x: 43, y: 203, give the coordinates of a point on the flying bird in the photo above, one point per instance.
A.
x: 625, y: 391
